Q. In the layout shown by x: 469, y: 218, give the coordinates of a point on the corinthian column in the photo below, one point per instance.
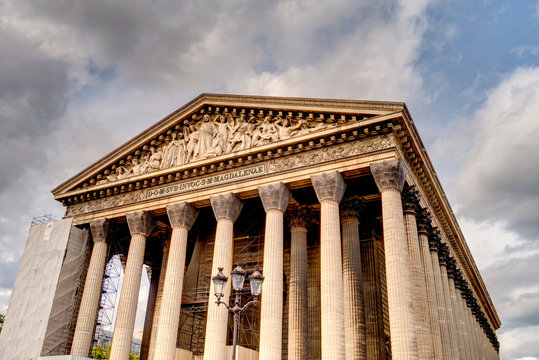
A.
x: 434, y: 244
x: 463, y: 314
x: 355, y: 341
x: 226, y: 208
x: 389, y: 177
x: 459, y: 325
x: 419, y: 292
x: 423, y: 222
x: 91, y: 295
x: 442, y: 258
x: 150, y: 313
x: 181, y: 216
x: 140, y: 225
x: 297, y: 292
x: 329, y: 189
x: 275, y: 199
x: 158, y: 298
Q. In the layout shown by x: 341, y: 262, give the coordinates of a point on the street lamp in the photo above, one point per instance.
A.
x: 238, y: 277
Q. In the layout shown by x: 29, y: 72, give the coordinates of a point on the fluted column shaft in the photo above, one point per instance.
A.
x: 461, y: 340
x: 454, y: 346
x: 442, y: 314
x: 216, y: 325
x: 275, y: 199
x: 355, y: 341
x: 314, y: 330
x: 150, y: 313
x: 389, y: 177
x: 431, y: 299
x: 271, y: 315
x: 419, y: 291
x: 181, y: 216
x: 226, y: 208
x: 82, y: 339
x: 471, y: 331
x: 298, y: 308
x: 329, y: 189
x: 158, y: 299
x: 297, y: 293
x: 140, y: 224
x: 466, y: 332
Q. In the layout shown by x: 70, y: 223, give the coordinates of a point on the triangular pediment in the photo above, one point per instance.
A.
x: 209, y: 130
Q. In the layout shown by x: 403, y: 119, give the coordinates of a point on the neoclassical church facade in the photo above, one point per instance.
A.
x: 335, y: 202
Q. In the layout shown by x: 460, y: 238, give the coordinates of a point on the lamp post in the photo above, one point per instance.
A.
x: 238, y: 277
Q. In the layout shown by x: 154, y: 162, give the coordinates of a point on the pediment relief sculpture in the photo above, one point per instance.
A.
x: 206, y: 135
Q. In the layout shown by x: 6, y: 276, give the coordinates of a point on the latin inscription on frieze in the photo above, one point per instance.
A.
x: 203, y: 182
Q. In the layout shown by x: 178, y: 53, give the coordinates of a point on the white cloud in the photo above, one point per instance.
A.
x: 521, y: 51
x: 499, y: 179
x: 488, y: 241
x: 498, y: 198
x: 519, y: 343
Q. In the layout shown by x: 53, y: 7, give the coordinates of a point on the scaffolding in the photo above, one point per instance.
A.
x: 109, y: 291
x: 192, y: 328
x: 37, y: 220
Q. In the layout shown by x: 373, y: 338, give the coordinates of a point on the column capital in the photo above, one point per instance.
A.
x: 329, y: 186
x: 451, y: 267
x: 351, y: 208
x: 100, y: 229
x: 423, y: 220
x: 389, y: 174
x: 226, y: 206
x: 299, y: 216
x: 181, y: 214
x: 410, y: 200
x: 442, y: 254
x: 435, y: 240
x: 140, y: 222
x: 274, y: 196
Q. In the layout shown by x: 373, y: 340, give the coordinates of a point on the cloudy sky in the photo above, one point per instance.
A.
x: 78, y: 78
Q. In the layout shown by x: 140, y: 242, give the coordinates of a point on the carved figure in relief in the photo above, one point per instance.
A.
x: 237, y: 140
x: 182, y: 149
x: 170, y: 152
x: 154, y: 161
x: 286, y: 131
x: 136, y: 168
x: 192, y: 145
x: 269, y: 130
x: 206, y: 132
x: 264, y: 133
x: 144, y: 163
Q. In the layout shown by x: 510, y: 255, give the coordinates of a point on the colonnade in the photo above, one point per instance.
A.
x: 449, y: 323
x: 432, y: 311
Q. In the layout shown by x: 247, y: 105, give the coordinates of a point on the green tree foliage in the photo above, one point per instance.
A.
x: 99, y: 352
x: 1, y: 322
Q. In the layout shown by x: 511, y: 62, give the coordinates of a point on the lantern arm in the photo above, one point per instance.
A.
x: 252, y: 302
x: 219, y: 302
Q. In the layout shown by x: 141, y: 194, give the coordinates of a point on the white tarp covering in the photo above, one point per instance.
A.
x: 34, y: 292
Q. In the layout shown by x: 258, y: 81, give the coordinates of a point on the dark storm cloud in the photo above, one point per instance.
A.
x: 33, y: 94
